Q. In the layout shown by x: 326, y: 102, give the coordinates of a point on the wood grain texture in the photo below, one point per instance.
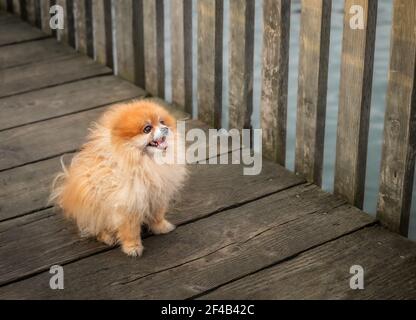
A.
x: 17, y: 7
x: 38, y: 75
x: 181, y: 33
x: 153, y: 37
x: 210, y: 35
x: 102, y: 27
x: 64, y: 99
x: 13, y: 33
x: 33, y: 51
x: 241, y: 63
x: 276, y: 34
x: 254, y: 230
x: 323, y: 272
x: 45, y: 16
x: 312, y: 88
x: 31, y: 12
x: 67, y: 35
x: 83, y: 27
x: 354, y: 103
x: 399, y: 146
x: 123, y: 24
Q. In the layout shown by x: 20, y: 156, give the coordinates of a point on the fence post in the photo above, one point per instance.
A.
x: 399, y: 146
x: 102, y: 28
x: 210, y: 23
x: 67, y: 34
x: 276, y: 33
x: 354, y: 103
x: 182, y: 54
x: 83, y: 26
x: 312, y: 88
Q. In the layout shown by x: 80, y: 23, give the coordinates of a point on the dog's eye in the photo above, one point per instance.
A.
x: 162, y: 122
x: 147, y: 129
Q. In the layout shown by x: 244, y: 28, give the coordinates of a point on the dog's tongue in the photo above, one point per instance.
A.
x: 162, y: 144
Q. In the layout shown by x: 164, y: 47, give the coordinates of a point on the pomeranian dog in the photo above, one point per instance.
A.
x: 114, y: 185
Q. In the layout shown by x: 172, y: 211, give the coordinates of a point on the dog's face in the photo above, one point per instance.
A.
x: 145, y: 126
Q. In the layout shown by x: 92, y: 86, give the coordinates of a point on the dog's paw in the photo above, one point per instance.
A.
x: 162, y: 227
x: 107, y: 238
x: 132, y: 250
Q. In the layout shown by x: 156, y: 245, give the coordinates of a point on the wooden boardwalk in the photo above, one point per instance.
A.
x: 270, y: 236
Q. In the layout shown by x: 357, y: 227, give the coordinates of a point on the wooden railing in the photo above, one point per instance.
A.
x: 138, y: 49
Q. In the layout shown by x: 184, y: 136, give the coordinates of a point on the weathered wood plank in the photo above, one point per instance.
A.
x: 102, y: 26
x: 17, y: 7
x: 182, y: 54
x: 32, y: 16
x: 12, y: 33
x: 83, y: 27
x: 67, y: 34
x: 123, y: 24
x: 254, y: 232
x: 241, y: 63
x: 45, y: 16
x: 210, y: 35
x: 38, y: 75
x: 323, y: 273
x: 276, y: 34
x: 312, y: 88
x: 64, y: 99
x: 354, y: 103
x: 3, y: 5
x: 34, y: 51
x: 399, y: 147
x: 153, y: 36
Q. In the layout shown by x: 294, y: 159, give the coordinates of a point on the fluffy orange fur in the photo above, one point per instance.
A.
x: 114, y: 185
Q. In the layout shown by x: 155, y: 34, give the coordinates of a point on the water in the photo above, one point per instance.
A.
x: 378, y: 94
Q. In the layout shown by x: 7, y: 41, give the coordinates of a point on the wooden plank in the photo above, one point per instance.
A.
x: 153, y: 36
x: 17, y: 7
x: 181, y: 33
x: 38, y: 75
x: 312, y: 88
x: 33, y: 12
x: 210, y: 25
x: 102, y: 26
x: 123, y: 24
x: 256, y: 234
x: 399, y: 147
x: 67, y: 34
x: 3, y: 5
x: 45, y: 16
x: 83, y: 27
x: 323, y: 273
x: 276, y: 34
x: 354, y: 103
x: 241, y: 63
x: 13, y: 33
x: 33, y: 51
x: 64, y: 99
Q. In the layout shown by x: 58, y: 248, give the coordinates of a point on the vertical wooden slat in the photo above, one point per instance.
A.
x: 138, y: 43
x: 210, y: 35
x: 354, y: 103
x: 67, y: 34
x: 31, y: 11
x: 241, y: 63
x: 102, y: 27
x: 83, y: 26
x: 16, y: 7
x: 153, y: 28
x: 123, y: 24
x: 276, y: 34
x: 182, y: 54
x: 45, y: 15
x: 399, y: 147
x: 312, y: 88
x: 3, y: 5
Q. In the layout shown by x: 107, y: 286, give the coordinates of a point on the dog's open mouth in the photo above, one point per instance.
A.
x: 159, y: 144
